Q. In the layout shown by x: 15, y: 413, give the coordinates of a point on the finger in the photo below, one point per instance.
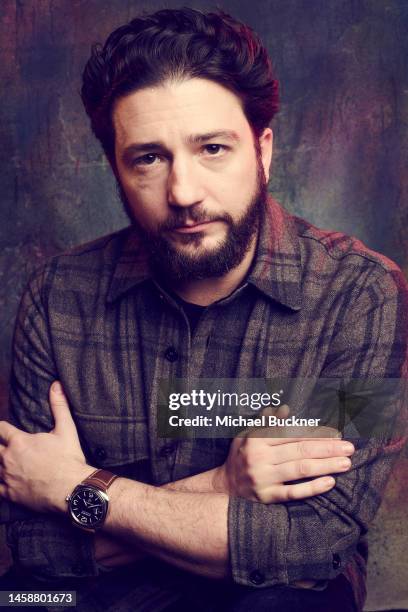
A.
x: 7, y: 430
x: 283, y: 435
x: 308, y: 449
x: 303, y: 490
x: 261, y: 476
x: 64, y: 424
x: 308, y: 468
x: 281, y: 412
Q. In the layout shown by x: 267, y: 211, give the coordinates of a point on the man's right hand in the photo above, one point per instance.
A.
x: 258, y: 468
x: 261, y: 468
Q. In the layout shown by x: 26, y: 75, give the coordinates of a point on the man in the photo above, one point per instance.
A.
x: 213, y: 279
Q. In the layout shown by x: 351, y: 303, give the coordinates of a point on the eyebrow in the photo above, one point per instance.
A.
x: 143, y: 147
x: 225, y: 134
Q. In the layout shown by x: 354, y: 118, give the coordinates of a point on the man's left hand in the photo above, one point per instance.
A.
x: 40, y: 470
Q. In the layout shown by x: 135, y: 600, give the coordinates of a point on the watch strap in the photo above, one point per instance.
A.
x: 102, y: 479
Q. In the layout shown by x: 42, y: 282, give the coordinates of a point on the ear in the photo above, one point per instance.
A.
x: 266, y: 147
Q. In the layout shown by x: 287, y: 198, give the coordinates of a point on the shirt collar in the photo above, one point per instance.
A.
x: 276, y: 269
x: 131, y: 267
x: 277, y: 266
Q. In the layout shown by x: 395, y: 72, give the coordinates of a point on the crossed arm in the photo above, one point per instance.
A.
x: 185, y: 522
x: 228, y: 520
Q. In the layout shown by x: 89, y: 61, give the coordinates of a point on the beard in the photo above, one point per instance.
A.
x: 176, y: 265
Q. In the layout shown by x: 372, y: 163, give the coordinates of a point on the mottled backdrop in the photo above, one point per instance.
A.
x: 340, y: 147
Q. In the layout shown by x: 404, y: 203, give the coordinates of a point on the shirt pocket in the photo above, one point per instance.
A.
x: 113, y: 442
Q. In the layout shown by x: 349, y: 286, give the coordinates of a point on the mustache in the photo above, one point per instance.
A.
x: 182, y: 217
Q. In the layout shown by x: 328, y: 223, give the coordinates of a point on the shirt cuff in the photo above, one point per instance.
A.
x: 257, y: 537
x: 10, y: 512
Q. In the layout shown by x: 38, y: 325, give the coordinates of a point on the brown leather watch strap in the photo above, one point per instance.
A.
x: 102, y: 479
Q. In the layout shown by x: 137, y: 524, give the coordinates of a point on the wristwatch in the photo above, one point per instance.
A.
x: 89, y: 501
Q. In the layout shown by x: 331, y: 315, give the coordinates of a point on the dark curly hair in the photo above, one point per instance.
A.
x: 178, y: 44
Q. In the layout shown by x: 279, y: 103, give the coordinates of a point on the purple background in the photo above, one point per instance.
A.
x: 340, y: 138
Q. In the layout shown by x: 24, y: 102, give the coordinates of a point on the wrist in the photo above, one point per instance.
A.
x: 75, y: 476
x: 220, y: 480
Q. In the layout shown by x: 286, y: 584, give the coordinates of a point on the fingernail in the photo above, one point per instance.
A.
x: 328, y: 482
x: 347, y: 447
x: 57, y: 388
x: 345, y: 463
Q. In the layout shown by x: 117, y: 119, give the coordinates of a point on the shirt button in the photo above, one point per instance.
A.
x: 256, y: 577
x: 100, y: 453
x: 336, y: 561
x: 167, y: 450
x: 171, y: 354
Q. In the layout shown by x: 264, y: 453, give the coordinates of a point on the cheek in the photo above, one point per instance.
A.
x: 236, y: 185
x: 146, y: 206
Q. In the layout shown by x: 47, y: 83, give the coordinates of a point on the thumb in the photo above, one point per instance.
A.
x: 281, y: 412
x: 63, y: 422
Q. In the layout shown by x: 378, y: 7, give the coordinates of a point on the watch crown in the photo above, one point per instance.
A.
x: 68, y: 497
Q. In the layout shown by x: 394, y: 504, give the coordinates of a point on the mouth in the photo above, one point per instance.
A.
x: 192, y: 228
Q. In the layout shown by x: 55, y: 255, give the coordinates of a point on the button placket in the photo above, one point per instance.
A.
x: 171, y: 354
x: 200, y: 341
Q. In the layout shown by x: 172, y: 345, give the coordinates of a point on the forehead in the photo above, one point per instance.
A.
x: 178, y: 108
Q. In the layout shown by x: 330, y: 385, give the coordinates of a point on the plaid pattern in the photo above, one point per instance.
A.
x: 315, y: 303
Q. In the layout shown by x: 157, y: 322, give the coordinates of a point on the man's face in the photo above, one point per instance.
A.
x: 190, y: 175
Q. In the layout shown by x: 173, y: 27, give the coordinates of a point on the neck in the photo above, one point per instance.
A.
x: 208, y: 290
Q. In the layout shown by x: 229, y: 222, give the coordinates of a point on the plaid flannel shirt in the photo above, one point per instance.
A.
x: 314, y: 303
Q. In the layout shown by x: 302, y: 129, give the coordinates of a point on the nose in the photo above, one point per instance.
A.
x: 184, y: 187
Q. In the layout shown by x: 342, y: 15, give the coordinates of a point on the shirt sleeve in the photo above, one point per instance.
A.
x: 314, y: 539
x: 44, y: 545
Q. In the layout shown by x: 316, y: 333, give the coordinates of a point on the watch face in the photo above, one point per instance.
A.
x: 88, y: 506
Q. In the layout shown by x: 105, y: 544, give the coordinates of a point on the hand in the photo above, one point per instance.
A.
x: 258, y: 468
x: 40, y: 470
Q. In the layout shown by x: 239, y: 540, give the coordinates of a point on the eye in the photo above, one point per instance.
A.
x: 145, y: 160
x: 213, y: 149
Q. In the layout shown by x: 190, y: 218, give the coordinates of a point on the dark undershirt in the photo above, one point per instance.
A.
x: 193, y: 311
